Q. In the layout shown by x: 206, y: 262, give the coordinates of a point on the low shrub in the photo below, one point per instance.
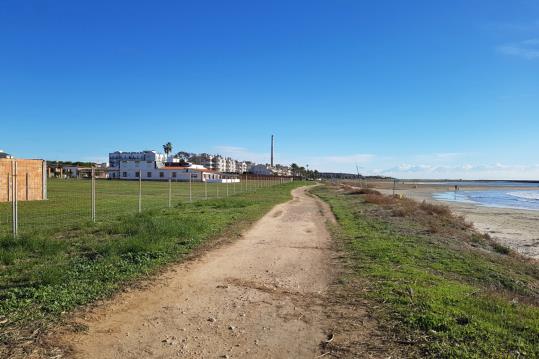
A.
x: 379, y: 199
x: 500, y: 248
x: 366, y: 191
x: 435, y: 209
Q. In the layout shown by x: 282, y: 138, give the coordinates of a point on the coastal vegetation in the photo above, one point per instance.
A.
x: 438, y: 287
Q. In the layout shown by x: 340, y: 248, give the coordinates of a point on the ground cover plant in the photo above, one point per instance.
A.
x: 441, y: 288
x: 46, y: 273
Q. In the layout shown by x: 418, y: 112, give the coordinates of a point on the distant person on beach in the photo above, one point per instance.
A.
x: 456, y: 188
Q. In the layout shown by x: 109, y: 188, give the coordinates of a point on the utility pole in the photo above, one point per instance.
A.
x: 190, y: 188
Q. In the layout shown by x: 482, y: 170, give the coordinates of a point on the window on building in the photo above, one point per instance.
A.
x: 149, y: 174
x: 137, y: 174
x: 174, y: 174
x: 124, y: 174
x: 161, y: 174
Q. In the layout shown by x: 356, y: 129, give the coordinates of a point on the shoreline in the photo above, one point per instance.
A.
x: 517, y: 229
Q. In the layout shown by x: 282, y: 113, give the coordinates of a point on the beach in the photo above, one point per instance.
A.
x: 515, y: 228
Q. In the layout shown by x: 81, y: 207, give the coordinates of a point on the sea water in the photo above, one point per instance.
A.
x: 485, y: 183
x: 521, y: 199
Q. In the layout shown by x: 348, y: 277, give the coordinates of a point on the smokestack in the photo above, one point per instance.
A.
x: 272, y: 146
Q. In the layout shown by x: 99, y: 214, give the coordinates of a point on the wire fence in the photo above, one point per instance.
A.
x: 68, y: 203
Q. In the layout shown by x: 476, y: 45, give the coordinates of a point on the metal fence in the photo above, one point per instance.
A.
x: 69, y: 203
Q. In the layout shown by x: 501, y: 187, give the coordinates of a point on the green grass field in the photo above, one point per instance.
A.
x: 46, y: 273
x: 69, y: 201
x: 440, y: 287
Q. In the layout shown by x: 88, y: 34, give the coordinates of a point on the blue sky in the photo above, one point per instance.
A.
x: 413, y: 89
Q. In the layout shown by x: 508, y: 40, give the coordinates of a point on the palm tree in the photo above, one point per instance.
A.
x: 167, y: 147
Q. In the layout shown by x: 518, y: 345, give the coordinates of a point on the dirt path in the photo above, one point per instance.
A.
x: 258, y: 297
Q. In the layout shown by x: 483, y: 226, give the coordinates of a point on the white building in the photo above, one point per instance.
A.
x: 241, y: 167
x: 219, y: 164
x: 151, y: 165
x: 230, y: 165
x: 281, y: 170
x: 262, y: 170
x: 202, y: 159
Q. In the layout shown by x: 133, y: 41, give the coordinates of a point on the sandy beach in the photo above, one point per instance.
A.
x: 515, y: 228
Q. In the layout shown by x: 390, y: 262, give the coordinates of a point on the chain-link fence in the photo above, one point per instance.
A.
x: 67, y: 203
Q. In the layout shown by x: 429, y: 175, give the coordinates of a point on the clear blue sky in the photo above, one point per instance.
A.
x: 407, y: 88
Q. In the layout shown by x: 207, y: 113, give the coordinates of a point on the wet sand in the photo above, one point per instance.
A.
x: 515, y: 228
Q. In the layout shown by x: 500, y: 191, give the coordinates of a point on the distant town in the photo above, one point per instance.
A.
x: 183, y: 165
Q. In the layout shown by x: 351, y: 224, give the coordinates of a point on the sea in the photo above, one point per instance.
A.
x: 517, y: 199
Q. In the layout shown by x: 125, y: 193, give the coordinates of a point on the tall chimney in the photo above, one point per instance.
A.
x: 272, y: 146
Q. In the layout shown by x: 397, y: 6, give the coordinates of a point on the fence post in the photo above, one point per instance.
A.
x: 15, y: 209
x: 26, y: 186
x: 44, y: 179
x: 190, y: 189
x: 140, y: 191
x: 169, y: 193
x: 93, y: 194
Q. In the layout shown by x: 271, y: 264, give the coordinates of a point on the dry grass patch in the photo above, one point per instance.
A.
x: 365, y: 191
x: 380, y: 199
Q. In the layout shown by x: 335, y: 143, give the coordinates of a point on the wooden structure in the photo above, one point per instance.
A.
x: 29, y: 176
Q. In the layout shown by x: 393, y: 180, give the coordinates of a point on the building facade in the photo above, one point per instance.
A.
x: 241, y: 167
x: 150, y: 165
x: 230, y: 165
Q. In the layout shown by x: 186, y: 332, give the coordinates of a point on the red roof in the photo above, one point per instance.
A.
x: 176, y: 168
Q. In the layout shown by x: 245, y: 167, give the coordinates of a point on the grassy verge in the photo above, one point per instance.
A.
x: 443, y: 289
x: 44, y: 275
x: 70, y: 201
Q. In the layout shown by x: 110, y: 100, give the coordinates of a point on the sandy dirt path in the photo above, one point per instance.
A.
x: 258, y: 297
